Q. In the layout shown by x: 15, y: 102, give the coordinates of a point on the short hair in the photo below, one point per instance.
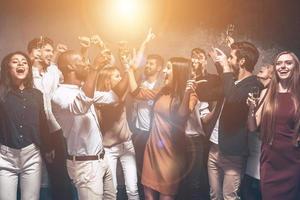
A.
x: 247, y: 51
x: 159, y: 60
x: 39, y: 42
x: 64, y: 60
x: 198, y: 51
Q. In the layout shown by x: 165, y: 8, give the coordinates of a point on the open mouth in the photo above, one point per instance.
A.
x: 20, y: 70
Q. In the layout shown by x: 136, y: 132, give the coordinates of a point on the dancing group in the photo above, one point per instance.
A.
x: 178, y: 131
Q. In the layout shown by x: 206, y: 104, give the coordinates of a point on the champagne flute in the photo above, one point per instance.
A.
x: 255, y: 92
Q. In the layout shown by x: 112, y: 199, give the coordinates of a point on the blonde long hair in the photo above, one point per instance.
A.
x: 104, y: 82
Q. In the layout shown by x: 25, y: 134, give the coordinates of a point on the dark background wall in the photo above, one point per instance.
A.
x: 180, y: 25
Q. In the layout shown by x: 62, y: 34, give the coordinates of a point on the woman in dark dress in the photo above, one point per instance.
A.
x: 278, y: 117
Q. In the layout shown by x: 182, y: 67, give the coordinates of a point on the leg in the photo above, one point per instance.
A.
x: 129, y: 169
x: 150, y: 194
x: 61, y: 187
x: 215, y: 174
x: 112, y: 155
x: 30, y: 177
x: 166, y: 197
x: 196, y: 184
x: 87, y: 177
x: 233, y: 167
x: 8, y: 176
x: 109, y: 191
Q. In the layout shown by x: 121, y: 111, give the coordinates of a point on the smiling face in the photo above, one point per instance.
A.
x: 46, y: 54
x: 151, y: 68
x: 284, y: 66
x: 18, y: 68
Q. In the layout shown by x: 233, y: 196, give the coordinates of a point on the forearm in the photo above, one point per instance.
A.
x: 89, y: 85
x: 121, y: 88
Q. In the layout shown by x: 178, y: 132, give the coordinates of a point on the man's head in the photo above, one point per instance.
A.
x: 41, y: 50
x: 199, y: 61
x: 72, y: 63
x: 154, y: 65
x: 243, y: 55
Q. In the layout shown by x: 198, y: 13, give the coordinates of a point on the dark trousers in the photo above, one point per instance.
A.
x: 61, y: 186
x: 195, y: 186
x: 139, y: 140
x: 250, y: 188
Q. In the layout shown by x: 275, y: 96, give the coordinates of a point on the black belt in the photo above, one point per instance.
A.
x: 86, y: 158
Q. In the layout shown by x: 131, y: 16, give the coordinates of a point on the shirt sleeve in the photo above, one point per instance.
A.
x: 76, y: 103
x: 109, y: 97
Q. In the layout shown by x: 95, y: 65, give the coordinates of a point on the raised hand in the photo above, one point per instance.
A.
x: 96, y: 40
x: 150, y: 36
x: 84, y: 41
x: 61, y: 48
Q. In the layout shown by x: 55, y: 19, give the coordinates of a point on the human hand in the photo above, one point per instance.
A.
x: 190, y: 86
x: 50, y: 156
x: 84, y: 41
x: 60, y: 48
x: 251, y: 101
x: 150, y: 36
x: 96, y: 40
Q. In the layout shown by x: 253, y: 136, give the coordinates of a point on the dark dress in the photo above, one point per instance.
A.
x: 280, y: 162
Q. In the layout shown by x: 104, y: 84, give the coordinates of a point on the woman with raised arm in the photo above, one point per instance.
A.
x: 164, y: 160
x: 116, y: 133
x: 23, y: 130
x: 278, y: 119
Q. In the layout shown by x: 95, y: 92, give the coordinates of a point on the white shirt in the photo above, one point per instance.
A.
x: 194, y: 124
x: 144, y: 109
x: 76, y: 115
x: 47, y: 82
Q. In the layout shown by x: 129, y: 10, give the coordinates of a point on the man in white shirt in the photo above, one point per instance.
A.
x: 46, y: 77
x: 74, y: 110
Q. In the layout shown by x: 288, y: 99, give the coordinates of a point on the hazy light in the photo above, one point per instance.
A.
x: 127, y: 7
x: 125, y: 16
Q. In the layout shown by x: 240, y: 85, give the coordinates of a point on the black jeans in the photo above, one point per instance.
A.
x: 195, y: 186
x: 250, y: 188
x: 60, y: 183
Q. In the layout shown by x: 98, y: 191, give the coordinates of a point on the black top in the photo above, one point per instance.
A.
x: 233, y: 120
x: 23, y: 120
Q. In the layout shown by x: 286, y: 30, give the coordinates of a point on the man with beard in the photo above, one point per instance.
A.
x: 73, y: 107
x: 152, y: 81
x: 228, y: 127
x: 46, y: 77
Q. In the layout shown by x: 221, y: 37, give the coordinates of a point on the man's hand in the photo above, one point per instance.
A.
x: 50, y: 156
x: 218, y: 56
x: 60, y: 48
x: 150, y: 36
x: 84, y: 41
x: 96, y: 40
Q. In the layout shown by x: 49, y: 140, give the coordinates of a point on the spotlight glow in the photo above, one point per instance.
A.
x: 127, y: 7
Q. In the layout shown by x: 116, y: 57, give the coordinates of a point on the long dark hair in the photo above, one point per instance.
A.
x: 6, y: 83
x: 181, y: 71
x: 271, y: 104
